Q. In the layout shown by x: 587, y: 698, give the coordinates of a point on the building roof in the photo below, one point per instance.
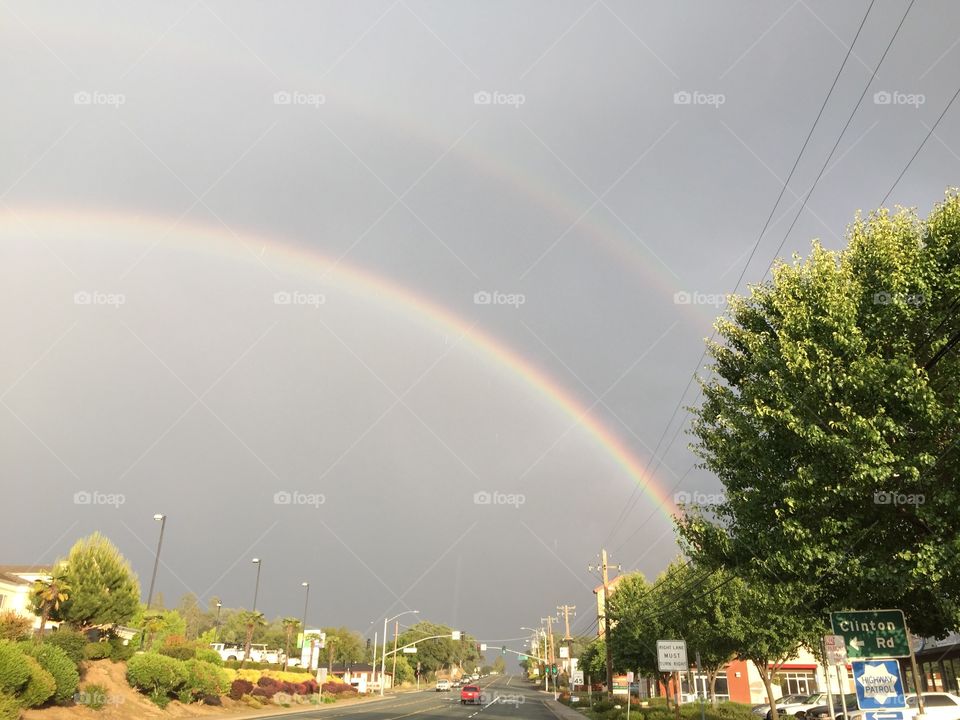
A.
x: 11, y: 579
x: 26, y: 569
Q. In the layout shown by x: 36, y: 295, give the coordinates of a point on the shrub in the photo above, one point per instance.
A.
x: 70, y: 641
x: 55, y: 660
x: 263, y: 692
x: 235, y: 665
x: 267, y: 681
x: 205, y: 678
x: 94, y: 696
x: 96, y: 651
x: 120, y: 652
x: 9, y: 707
x: 40, y: 685
x: 13, y: 668
x: 208, y: 655
x: 239, y: 688
x: 14, y: 626
x: 212, y: 700
x: 156, y: 675
x: 176, y: 646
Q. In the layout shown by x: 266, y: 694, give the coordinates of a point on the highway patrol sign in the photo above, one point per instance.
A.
x: 879, y: 685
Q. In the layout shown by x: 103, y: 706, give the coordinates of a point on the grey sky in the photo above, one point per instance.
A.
x: 629, y: 152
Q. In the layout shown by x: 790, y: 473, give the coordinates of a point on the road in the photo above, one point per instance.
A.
x: 505, y: 698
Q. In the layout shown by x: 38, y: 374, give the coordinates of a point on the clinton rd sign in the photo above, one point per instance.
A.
x: 872, y: 633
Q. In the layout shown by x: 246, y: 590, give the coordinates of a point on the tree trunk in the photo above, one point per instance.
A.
x: 249, y: 641
x: 43, y: 623
x: 286, y: 650
x: 767, y: 676
x: 712, y: 677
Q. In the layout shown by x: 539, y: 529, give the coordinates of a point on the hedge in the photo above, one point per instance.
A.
x: 40, y: 686
x: 13, y: 668
x: 70, y: 641
x: 96, y: 651
x: 56, y: 661
x: 9, y: 707
x: 205, y: 678
x: 239, y: 688
x: 156, y: 675
x: 208, y: 655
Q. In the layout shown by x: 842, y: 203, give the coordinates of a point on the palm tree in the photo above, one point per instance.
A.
x: 252, y: 620
x: 289, y: 625
x: 47, y: 596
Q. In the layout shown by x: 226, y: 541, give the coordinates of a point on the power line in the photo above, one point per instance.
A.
x: 753, y: 251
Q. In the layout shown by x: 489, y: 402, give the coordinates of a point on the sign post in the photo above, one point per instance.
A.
x: 672, y: 657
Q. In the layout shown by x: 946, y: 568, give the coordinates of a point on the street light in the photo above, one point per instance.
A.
x: 256, y: 589
x: 156, y: 560
x: 216, y: 634
x: 383, y: 654
x: 303, y: 627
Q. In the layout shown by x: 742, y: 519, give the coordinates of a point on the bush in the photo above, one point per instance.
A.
x: 96, y: 651
x: 239, y: 688
x: 212, y: 700
x: 55, y: 660
x: 9, y: 707
x: 267, y: 681
x: 70, y: 641
x: 235, y: 665
x: 263, y: 692
x: 208, y: 655
x: 120, y: 652
x: 205, y: 678
x: 40, y: 685
x: 13, y: 668
x: 94, y: 696
x: 156, y: 675
x: 14, y: 626
x: 176, y: 646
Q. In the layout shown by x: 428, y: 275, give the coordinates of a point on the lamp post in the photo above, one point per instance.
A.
x: 156, y: 560
x: 256, y: 588
x: 303, y: 626
x: 153, y: 578
x: 383, y: 653
x: 216, y: 633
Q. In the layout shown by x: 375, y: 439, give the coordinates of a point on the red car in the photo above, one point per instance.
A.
x: 469, y: 694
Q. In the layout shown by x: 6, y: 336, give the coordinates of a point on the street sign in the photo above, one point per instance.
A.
x: 455, y: 635
x: 836, y: 649
x: 564, y: 652
x: 672, y: 656
x: 410, y: 650
x: 629, y: 676
x: 483, y: 647
x: 879, y: 685
x: 576, y: 677
x: 884, y: 715
x: 872, y: 633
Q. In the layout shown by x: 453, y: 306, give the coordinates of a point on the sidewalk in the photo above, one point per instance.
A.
x: 561, y: 711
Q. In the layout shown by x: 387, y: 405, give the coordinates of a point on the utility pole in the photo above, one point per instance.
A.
x: 550, y: 621
x: 605, y: 576
x: 393, y: 675
x: 566, y: 610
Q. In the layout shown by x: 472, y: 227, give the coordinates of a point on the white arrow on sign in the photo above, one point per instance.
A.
x: 856, y: 643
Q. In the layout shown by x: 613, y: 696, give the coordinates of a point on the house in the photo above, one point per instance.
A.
x: 15, y: 584
x: 601, y: 609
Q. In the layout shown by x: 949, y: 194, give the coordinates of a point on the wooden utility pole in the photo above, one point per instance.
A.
x: 605, y: 576
x: 550, y: 621
x: 566, y: 610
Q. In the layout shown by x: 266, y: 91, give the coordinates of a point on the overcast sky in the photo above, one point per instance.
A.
x: 308, y: 277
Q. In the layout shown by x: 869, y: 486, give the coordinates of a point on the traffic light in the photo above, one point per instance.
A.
x: 503, y: 650
x: 553, y: 668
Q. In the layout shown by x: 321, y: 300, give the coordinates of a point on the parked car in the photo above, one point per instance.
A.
x: 824, y: 712
x: 936, y: 706
x: 469, y: 694
x: 443, y: 686
x: 797, y: 704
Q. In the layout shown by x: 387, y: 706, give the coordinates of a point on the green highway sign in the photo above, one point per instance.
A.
x: 872, y: 633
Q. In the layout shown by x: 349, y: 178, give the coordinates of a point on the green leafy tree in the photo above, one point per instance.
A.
x: 251, y: 619
x: 499, y: 665
x: 192, y: 614
x: 346, y: 645
x: 103, y: 590
x: 832, y: 421
x: 593, y: 659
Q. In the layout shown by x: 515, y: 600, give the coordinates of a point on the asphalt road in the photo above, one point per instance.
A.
x: 504, y: 698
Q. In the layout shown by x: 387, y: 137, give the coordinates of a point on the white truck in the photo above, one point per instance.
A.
x: 259, y: 653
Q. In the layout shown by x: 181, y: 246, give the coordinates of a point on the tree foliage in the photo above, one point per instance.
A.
x: 103, y: 590
x: 832, y: 421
